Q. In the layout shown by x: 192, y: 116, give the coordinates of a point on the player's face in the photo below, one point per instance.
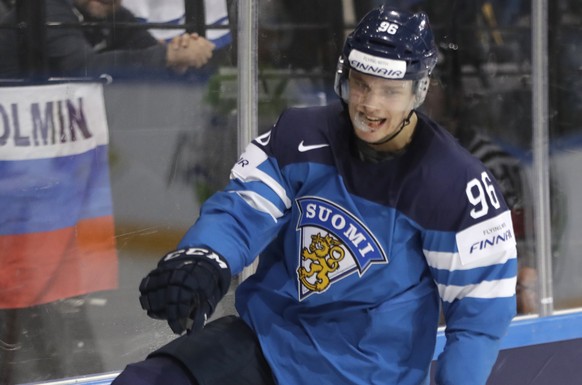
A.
x: 98, y: 9
x: 377, y: 106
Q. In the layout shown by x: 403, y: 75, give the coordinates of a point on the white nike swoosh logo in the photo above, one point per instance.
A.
x: 302, y: 147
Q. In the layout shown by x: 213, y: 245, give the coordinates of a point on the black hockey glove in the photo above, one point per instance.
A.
x: 185, y: 288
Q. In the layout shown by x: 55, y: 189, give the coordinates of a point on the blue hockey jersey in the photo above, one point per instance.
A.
x: 356, y: 257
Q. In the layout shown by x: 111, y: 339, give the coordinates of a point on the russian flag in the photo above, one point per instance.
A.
x: 56, y: 214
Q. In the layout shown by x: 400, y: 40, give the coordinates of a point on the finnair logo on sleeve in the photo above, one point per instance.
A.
x: 386, y: 68
x: 486, y: 239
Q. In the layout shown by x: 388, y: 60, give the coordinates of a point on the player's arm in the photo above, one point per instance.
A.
x: 234, y: 226
x: 475, y: 271
x: 240, y: 221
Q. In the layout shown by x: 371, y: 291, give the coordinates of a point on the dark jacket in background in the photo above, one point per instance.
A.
x: 119, y: 51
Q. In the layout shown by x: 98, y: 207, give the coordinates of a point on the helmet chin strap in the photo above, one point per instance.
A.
x: 405, y: 123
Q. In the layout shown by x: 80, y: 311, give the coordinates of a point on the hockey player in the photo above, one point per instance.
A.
x: 367, y: 216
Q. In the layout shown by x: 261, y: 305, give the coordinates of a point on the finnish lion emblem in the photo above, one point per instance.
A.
x: 323, y: 257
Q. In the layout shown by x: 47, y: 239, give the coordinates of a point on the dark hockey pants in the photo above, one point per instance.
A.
x: 225, y: 352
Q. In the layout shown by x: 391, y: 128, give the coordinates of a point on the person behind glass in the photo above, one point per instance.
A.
x: 367, y: 216
x: 116, y: 50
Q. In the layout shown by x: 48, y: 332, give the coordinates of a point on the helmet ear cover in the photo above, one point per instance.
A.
x: 420, y: 90
x: 341, y: 85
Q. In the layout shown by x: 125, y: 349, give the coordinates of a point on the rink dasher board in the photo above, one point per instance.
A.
x: 534, y: 330
x: 98, y: 379
x: 524, y: 331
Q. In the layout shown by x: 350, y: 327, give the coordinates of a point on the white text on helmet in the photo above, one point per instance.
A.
x: 388, y: 27
x: 386, y: 68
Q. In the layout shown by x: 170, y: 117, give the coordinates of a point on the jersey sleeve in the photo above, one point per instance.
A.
x: 240, y: 221
x: 474, y: 267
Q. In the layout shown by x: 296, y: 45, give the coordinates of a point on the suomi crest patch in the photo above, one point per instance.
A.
x: 334, y: 244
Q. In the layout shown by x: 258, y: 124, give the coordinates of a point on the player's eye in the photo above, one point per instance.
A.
x: 358, y: 84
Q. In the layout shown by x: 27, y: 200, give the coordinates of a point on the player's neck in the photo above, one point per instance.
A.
x: 389, y: 150
x: 400, y: 141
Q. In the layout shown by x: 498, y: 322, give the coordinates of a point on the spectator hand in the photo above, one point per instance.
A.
x: 185, y: 288
x: 188, y: 50
x: 183, y: 41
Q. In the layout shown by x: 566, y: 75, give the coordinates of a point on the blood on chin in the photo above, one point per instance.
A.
x: 364, y: 125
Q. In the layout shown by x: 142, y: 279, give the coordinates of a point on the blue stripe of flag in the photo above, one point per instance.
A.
x: 48, y: 194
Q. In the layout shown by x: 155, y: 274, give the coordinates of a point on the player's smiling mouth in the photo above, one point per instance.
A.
x: 374, y: 121
x: 368, y: 123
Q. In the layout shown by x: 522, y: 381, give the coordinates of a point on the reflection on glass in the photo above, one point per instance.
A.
x: 172, y: 143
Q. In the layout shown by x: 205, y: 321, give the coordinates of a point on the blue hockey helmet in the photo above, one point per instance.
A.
x: 391, y: 44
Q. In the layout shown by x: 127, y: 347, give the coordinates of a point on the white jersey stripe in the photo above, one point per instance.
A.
x: 451, y: 261
x: 486, y: 289
x: 259, y: 203
x: 246, y: 170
